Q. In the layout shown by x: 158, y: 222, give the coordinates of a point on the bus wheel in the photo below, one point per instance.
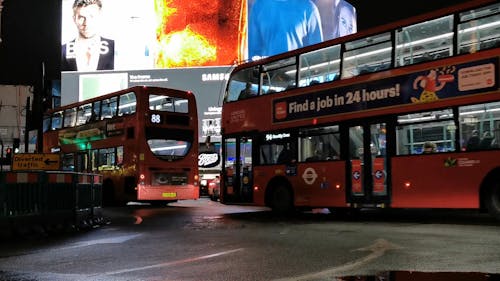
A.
x: 492, y: 199
x: 282, y: 200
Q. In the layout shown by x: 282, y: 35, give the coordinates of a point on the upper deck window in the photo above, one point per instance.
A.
x: 319, y: 66
x: 56, y: 122
x: 170, y: 104
x: 84, y: 114
x: 245, y: 80
x: 279, y: 75
x: 424, y: 41
x: 127, y: 104
x: 367, y: 55
x: 109, y: 106
x: 479, y: 29
x: 69, y: 117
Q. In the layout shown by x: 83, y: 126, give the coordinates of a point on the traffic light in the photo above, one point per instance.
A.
x: 8, y: 154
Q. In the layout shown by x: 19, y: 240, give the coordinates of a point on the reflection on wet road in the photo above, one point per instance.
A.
x: 202, y: 240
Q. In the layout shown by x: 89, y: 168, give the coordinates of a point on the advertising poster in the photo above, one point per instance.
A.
x: 278, y: 26
x: 149, y: 34
x: 444, y: 82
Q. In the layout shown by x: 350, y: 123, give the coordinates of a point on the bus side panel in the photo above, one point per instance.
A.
x: 50, y: 140
x: 318, y: 184
x: 323, y: 183
x: 448, y: 180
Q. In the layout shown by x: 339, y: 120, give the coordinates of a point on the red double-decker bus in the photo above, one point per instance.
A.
x: 143, y: 140
x: 344, y: 124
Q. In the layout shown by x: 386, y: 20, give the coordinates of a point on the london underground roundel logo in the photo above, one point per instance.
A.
x: 309, y: 176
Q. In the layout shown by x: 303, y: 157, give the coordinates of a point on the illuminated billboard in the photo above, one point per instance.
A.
x: 277, y: 26
x: 150, y: 34
x: 154, y: 34
x: 109, y: 45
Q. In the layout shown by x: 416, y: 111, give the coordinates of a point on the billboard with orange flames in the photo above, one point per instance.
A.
x: 151, y: 34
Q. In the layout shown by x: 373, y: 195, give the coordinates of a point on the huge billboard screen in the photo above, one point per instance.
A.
x: 108, y: 45
x: 154, y: 34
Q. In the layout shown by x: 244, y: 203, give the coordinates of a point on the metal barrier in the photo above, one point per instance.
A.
x: 48, y: 198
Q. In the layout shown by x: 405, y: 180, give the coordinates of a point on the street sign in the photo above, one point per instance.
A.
x: 35, y: 161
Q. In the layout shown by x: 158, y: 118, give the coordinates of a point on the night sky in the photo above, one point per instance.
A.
x: 31, y: 33
x: 374, y: 13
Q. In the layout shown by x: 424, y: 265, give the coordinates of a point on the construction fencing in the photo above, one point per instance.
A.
x: 50, y: 199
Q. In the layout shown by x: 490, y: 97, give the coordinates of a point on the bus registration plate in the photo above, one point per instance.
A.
x: 169, y: 194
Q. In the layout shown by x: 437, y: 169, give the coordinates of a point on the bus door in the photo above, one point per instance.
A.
x: 367, y: 164
x: 238, y: 170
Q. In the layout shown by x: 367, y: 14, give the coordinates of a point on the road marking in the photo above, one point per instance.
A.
x: 171, y: 263
x: 113, y: 240
x: 378, y: 248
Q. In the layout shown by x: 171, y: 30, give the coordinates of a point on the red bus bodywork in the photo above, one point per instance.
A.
x: 122, y: 147
x: 453, y: 178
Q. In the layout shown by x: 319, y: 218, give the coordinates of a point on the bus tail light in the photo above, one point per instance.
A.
x: 196, y: 178
x: 141, y: 177
x: 256, y: 188
x: 407, y: 185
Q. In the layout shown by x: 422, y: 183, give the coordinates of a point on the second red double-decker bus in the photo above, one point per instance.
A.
x: 343, y: 124
x: 143, y: 140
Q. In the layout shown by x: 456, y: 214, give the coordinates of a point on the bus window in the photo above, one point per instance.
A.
x: 168, y: 147
x: 69, y: 117
x: 127, y: 104
x: 279, y: 75
x: 96, y: 111
x: 267, y: 154
x: 119, y: 156
x: 56, y: 120
x: 475, y: 31
x: 170, y: 104
x: 238, y: 83
x: 424, y: 41
x: 367, y: 55
x: 180, y: 105
x: 68, y: 162
x: 321, y: 65
x: 84, y: 114
x: 481, y: 120
x: 109, y: 107
x: 106, y: 159
x: 414, y: 130
x: 356, y: 142
x: 318, y: 144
